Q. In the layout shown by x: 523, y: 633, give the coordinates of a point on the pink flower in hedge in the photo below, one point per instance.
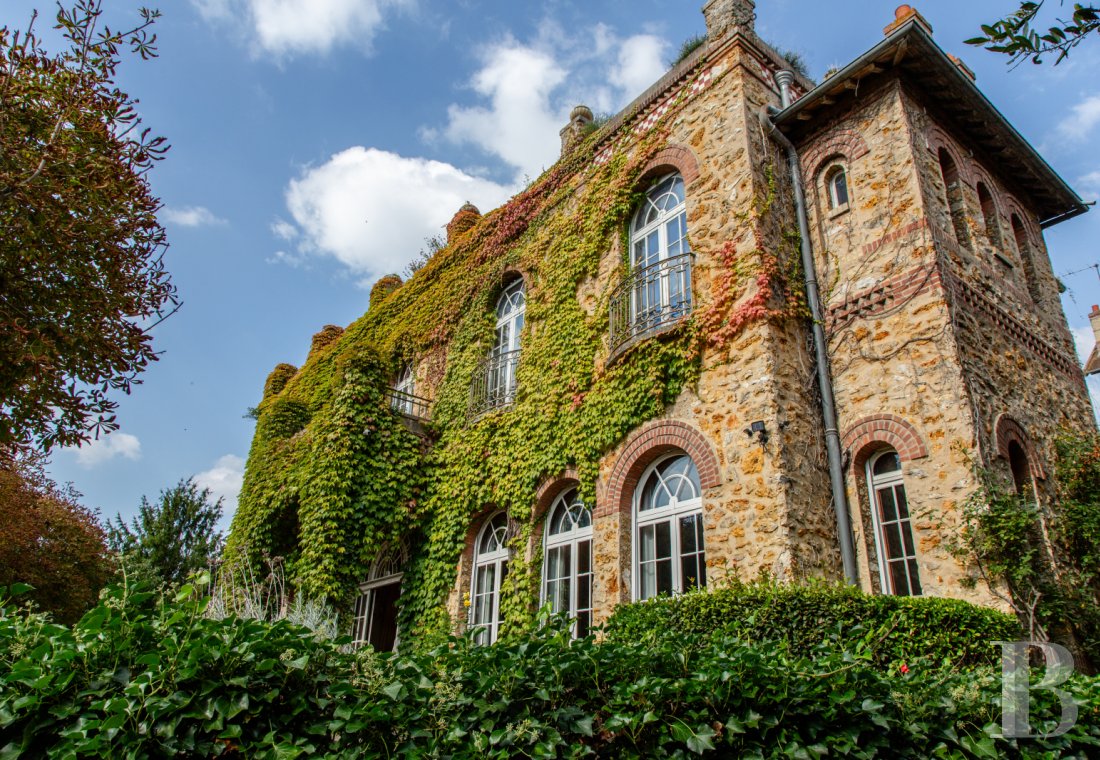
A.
x: 904, y: 668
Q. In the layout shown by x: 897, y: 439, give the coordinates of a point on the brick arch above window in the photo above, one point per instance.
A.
x: 846, y: 144
x: 673, y: 157
x: 552, y: 488
x: 935, y: 138
x: 869, y: 434
x: 1006, y: 431
x: 646, y: 446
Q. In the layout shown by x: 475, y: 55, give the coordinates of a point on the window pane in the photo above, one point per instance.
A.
x: 886, y: 504
x: 893, y: 541
x: 584, y: 557
x: 664, y: 576
x: 903, y: 504
x: 647, y: 543
x: 584, y: 592
x: 584, y: 623
x: 914, y: 578
x: 890, y: 462
x: 898, y: 578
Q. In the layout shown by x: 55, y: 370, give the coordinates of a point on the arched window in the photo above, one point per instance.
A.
x: 491, y: 555
x: 658, y: 292
x: 375, y: 614
x: 402, y: 400
x: 989, y: 218
x: 495, y: 384
x: 893, y: 532
x: 1021, y: 470
x: 956, y: 203
x: 836, y: 186
x: 567, y: 568
x: 668, y: 535
x: 1023, y: 248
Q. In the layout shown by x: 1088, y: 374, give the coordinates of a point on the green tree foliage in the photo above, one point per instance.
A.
x: 143, y: 677
x: 81, y: 250
x: 1045, y: 554
x: 1019, y: 36
x: 170, y: 539
x: 50, y: 541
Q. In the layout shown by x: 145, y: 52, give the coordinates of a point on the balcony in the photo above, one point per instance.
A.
x: 494, y: 383
x: 410, y: 406
x: 651, y: 300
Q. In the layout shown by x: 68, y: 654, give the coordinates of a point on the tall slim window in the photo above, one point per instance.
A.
x: 1021, y: 471
x: 836, y: 186
x: 491, y: 555
x: 989, y: 218
x: 1023, y: 247
x: 402, y: 400
x: 659, y: 246
x: 375, y: 614
x: 956, y: 201
x: 567, y: 567
x: 668, y: 535
x: 504, y: 356
x: 893, y: 531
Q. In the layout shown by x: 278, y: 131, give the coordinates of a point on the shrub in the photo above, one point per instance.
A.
x: 141, y: 676
x: 892, y: 630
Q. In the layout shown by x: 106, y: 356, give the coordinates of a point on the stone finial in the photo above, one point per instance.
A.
x: 384, y: 287
x: 571, y: 133
x: 726, y: 16
x: 903, y: 14
x: 465, y: 218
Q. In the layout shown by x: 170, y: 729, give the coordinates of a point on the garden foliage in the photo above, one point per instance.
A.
x: 141, y: 676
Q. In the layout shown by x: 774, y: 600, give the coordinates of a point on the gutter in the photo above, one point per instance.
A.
x: 824, y: 376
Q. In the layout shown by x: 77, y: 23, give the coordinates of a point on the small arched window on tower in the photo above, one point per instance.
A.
x: 897, y: 554
x: 836, y: 187
x: 989, y: 219
x: 1018, y: 462
x: 956, y: 202
x: 1023, y: 248
x: 567, y: 567
x: 491, y: 556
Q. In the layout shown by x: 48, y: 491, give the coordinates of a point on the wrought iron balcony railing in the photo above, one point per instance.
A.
x: 409, y: 405
x: 494, y: 383
x: 650, y: 300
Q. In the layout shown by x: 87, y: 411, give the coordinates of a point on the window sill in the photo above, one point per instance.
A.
x: 839, y: 211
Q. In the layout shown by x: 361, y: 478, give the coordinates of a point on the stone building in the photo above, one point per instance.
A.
x: 940, y: 315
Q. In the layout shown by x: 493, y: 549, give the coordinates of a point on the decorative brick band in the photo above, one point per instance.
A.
x: 890, y: 429
x: 679, y: 157
x: 882, y: 297
x: 843, y: 142
x: 908, y: 229
x: 1007, y: 431
x: 647, y: 445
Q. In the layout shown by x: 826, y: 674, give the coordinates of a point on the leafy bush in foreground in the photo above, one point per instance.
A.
x: 142, y: 677
x: 893, y: 630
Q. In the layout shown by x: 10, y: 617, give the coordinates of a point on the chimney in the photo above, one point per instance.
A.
x: 903, y: 14
x: 1092, y: 364
x: 465, y: 218
x: 573, y: 132
x: 1094, y: 319
x: 727, y: 16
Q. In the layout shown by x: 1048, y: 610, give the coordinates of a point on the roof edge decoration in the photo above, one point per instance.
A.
x: 914, y: 54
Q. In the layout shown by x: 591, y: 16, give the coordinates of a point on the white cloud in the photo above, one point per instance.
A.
x: 641, y: 63
x: 191, y: 216
x: 1082, y: 119
x: 108, y: 447
x: 288, y: 27
x: 372, y: 209
x: 526, y: 91
x: 284, y: 229
x: 224, y: 480
x: 1083, y: 340
x: 1090, y: 183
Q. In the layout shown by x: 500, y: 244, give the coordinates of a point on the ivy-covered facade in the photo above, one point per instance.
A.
x: 605, y: 390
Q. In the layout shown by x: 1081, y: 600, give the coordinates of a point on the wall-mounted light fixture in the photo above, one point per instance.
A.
x: 758, y: 431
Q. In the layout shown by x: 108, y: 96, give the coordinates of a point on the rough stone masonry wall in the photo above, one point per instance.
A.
x: 892, y: 345
x: 1014, y: 343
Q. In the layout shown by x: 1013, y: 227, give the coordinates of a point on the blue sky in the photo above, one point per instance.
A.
x: 316, y: 143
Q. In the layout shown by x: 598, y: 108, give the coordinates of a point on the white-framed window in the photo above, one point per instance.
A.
x: 836, y: 186
x: 897, y: 553
x: 659, y: 261
x: 669, y: 553
x: 504, y: 355
x: 375, y: 614
x: 403, y: 398
x: 567, y: 565
x: 491, y: 556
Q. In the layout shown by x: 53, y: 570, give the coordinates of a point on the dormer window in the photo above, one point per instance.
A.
x: 836, y: 187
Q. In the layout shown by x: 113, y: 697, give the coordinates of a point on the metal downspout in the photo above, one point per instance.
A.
x: 824, y: 377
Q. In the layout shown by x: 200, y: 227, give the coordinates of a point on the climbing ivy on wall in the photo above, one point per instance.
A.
x: 333, y: 474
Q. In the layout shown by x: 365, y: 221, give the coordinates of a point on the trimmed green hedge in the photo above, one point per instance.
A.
x: 139, y: 677
x: 893, y: 630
